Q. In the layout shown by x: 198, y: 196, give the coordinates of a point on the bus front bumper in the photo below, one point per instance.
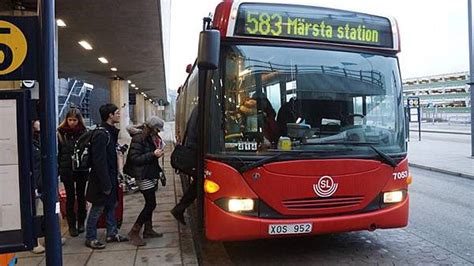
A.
x: 226, y: 226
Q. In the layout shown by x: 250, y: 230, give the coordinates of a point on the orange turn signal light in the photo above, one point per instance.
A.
x: 210, y: 186
x: 409, y: 179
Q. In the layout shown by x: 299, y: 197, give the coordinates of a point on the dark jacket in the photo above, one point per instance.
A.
x: 36, y: 165
x: 103, y: 182
x: 191, y: 137
x: 66, y: 142
x: 287, y: 114
x: 141, y: 161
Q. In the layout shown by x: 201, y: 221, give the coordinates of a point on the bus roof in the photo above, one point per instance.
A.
x: 278, y: 20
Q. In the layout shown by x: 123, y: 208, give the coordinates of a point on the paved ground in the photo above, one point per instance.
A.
x: 442, y: 211
x: 174, y: 248
x: 440, y: 232
x: 448, y: 153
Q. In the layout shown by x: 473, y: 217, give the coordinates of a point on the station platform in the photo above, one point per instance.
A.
x: 174, y: 248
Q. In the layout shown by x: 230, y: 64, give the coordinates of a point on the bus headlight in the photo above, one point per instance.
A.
x: 393, y: 196
x: 239, y: 205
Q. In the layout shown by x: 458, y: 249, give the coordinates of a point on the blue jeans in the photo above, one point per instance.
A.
x: 94, y: 215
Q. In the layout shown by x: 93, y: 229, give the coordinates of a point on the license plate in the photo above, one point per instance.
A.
x: 284, y: 229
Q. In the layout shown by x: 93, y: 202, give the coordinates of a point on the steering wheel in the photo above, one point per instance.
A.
x: 356, y: 115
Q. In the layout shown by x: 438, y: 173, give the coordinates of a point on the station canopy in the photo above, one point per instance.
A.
x: 128, y: 34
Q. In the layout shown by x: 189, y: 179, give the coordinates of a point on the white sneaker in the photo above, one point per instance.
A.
x: 38, y: 249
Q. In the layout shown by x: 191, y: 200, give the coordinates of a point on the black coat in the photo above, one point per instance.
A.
x: 141, y: 161
x: 66, y: 141
x: 103, y: 181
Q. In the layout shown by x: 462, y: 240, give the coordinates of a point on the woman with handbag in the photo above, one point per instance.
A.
x: 69, y: 131
x: 142, y: 163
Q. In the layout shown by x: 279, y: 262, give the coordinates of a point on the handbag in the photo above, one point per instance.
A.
x: 127, y: 168
x: 184, y: 159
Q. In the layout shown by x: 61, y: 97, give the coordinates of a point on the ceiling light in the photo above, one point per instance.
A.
x: 133, y: 85
x: 150, y: 100
x: 86, y: 45
x: 60, y: 23
x: 103, y: 60
x: 113, y: 68
x: 136, y: 88
x: 129, y: 81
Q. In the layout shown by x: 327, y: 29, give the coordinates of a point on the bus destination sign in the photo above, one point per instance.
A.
x: 314, y: 24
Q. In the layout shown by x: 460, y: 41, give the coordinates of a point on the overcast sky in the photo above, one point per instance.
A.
x: 434, y: 34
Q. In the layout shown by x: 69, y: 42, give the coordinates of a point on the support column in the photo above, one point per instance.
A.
x: 139, y: 109
x: 148, y: 109
x: 119, y: 97
x: 47, y: 95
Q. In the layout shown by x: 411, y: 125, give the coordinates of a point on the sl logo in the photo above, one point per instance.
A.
x: 13, y: 47
x: 325, y: 187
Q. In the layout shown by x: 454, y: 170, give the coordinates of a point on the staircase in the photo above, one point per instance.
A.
x: 78, y: 96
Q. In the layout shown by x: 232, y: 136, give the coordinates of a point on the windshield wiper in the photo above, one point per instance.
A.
x: 266, y: 160
x: 385, y: 158
x: 260, y: 162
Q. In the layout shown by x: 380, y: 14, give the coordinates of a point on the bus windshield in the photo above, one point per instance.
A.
x: 296, y: 99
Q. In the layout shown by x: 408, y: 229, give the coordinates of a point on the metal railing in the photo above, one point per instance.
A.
x: 76, y: 95
x: 65, y: 104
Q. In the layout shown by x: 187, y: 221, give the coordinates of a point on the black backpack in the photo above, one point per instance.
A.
x: 81, y: 157
x: 184, y: 159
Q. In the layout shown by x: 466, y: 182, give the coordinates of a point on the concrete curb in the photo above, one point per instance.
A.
x: 443, y: 171
x: 442, y: 132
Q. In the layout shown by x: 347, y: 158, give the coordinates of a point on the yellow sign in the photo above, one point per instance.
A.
x: 13, y: 47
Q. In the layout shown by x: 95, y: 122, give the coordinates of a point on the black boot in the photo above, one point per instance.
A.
x: 178, y: 213
x: 71, y: 221
x: 81, y: 218
x: 148, y: 232
x: 80, y: 227
x: 73, y: 231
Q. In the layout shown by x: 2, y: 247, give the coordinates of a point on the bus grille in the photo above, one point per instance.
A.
x: 323, y: 203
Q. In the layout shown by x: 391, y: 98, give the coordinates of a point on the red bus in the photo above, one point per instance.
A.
x: 304, y: 127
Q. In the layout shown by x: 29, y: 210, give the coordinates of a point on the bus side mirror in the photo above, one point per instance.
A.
x: 208, y: 53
